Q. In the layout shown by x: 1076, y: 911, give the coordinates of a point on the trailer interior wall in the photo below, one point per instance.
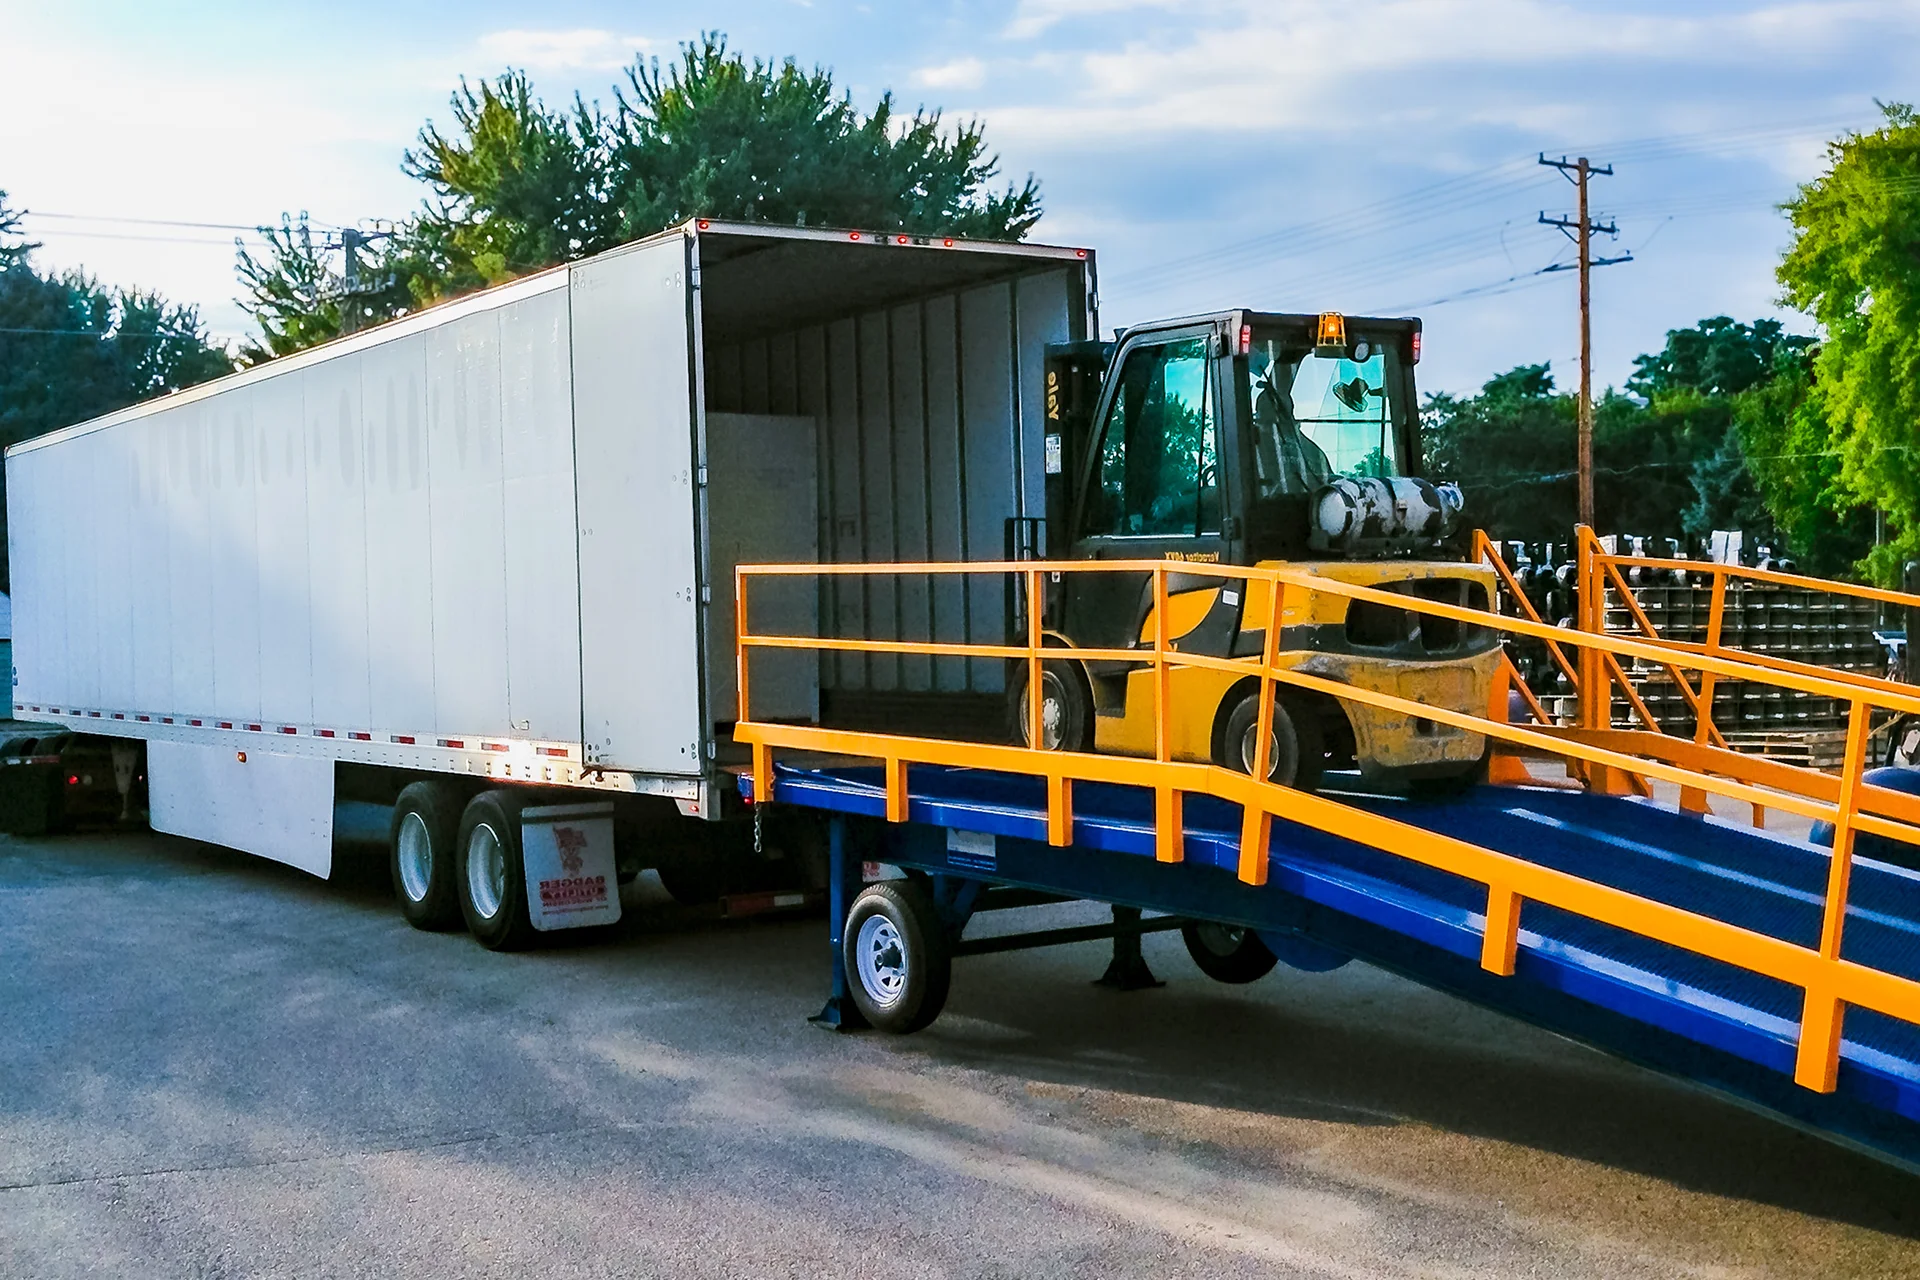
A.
x: 921, y: 371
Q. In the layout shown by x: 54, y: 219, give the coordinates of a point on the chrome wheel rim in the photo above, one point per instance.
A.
x: 880, y: 956
x: 415, y: 852
x: 1274, y: 771
x: 1053, y: 714
x: 486, y: 870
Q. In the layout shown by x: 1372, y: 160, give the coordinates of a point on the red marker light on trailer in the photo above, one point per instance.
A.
x: 1416, y: 346
x: 853, y: 235
x: 73, y: 779
x: 948, y: 242
x: 901, y: 240
x: 703, y: 224
x: 1246, y: 339
x: 1079, y: 253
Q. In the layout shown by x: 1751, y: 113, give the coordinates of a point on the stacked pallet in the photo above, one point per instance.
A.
x: 1798, y: 623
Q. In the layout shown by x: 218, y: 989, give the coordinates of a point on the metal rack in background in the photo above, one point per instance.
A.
x: 1824, y: 629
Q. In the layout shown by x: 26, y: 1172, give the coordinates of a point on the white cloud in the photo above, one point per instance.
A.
x: 579, y: 49
x: 1150, y: 68
x: 961, y: 73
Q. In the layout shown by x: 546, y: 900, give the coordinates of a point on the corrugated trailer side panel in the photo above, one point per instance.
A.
x: 235, y: 471
x: 337, y: 543
x: 281, y: 554
x: 467, y: 498
x: 538, y: 527
x: 399, y: 523
x: 352, y: 540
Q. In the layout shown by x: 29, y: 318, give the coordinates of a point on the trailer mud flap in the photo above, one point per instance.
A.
x: 273, y: 806
x: 568, y: 853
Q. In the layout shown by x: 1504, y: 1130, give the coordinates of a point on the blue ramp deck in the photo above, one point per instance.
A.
x: 1710, y: 1022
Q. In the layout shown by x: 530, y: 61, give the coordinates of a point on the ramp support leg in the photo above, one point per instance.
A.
x: 1127, y: 971
x: 843, y: 886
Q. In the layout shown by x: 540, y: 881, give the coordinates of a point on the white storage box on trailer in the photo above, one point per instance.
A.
x: 496, y: 538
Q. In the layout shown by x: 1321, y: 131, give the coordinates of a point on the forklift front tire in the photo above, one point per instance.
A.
x: 1066, y: 707
x: 1297, y: 755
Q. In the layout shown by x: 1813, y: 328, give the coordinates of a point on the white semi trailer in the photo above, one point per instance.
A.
x: 478, y: 562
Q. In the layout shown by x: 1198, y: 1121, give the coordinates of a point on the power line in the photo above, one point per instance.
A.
x: 150, y: 239
x: 147, y: 222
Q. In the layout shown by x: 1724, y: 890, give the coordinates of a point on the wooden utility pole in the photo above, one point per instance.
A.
x: 1581, y: 230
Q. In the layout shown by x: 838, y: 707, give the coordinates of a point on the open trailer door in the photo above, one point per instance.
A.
x: 633, y: 440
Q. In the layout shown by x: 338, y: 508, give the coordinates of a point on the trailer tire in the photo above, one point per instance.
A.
x: 1298, y: 755
x: 898, y: 961
x: 421, y: 844
x: 1227, y: 953
x: 492, y: 878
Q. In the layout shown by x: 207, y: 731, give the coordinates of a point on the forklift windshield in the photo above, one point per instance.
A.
x: 1316, y: 417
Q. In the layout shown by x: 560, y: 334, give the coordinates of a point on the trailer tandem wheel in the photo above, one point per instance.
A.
x: 492, y: 878
x: 898, y: 959
x: 422, y: 841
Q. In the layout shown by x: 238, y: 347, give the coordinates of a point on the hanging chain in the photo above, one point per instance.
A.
x: 757, y: 811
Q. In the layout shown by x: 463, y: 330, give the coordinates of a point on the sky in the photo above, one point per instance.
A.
x: 1373, y: 156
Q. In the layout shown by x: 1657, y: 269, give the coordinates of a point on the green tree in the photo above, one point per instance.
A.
x: 1783, y: 430
x: 72, y: 349
x: 515, y: 185
x: 1854, y: 265
x: 1718, y: 356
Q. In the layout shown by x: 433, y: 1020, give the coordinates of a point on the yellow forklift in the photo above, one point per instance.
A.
x: 1251, y: 438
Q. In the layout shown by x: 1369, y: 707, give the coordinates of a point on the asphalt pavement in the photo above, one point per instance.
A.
x: 214, y: 1066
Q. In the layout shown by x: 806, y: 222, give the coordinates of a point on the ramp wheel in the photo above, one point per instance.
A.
x: 422, y: 839
x: 1226, y: 952
x: 492, y: 878
x: 897, y: 957
x: 1297, y: 754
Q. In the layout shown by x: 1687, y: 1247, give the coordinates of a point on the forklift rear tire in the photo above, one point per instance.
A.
x: 1298, y: 754
x: 1227, y: 952
x: 897, y: 957
x: 422, y: 840
x: 1066, y: 706
x: 492, y: 877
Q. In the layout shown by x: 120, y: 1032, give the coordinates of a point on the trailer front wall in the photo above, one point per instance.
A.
x: 929, y: 417
x: 376, y: 538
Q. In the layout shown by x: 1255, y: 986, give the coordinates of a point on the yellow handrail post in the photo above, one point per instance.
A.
x: 1693, y: 799
x: 1036, y: 698
x: 1059, y: 786
x: 1256, y: 823
x: 896, y: 789
x: 739, y: 646
x: 1817, y: 1063
x: 1500, y: 945
x: 1169, y: 819
x: 762, y: 753
x: 1596, y: 665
